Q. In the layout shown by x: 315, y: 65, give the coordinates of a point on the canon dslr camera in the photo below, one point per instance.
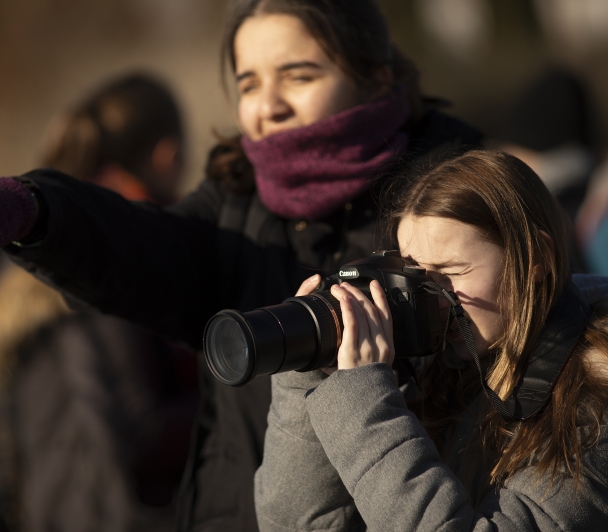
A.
x: 304, y: 333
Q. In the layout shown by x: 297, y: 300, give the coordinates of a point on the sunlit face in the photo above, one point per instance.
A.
x: 457, y: 257
x: 285, y: 80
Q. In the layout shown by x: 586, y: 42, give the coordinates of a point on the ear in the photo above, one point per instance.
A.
x: 384, y: 74
x: 541, y: 267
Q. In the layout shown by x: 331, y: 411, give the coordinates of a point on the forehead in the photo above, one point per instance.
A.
x: 272, y: 40
x: 431, y: 241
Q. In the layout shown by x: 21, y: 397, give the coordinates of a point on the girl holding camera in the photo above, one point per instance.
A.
x: 348, y: 452
x: 326, y: 104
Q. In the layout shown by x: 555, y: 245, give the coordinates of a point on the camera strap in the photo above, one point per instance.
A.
x: 563, y: 329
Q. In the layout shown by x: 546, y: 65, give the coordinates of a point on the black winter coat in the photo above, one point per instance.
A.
x: 171, y: 269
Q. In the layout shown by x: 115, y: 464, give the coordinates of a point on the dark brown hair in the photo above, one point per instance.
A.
x: 119, y: 123
x: 353, y: 34
x: 502, y: 197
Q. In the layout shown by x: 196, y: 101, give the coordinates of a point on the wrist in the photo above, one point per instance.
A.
x: 19, y: 211
x: 38, y: 229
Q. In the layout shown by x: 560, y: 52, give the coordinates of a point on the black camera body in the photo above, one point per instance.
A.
x: 304, y: 333
x: 415, y: 312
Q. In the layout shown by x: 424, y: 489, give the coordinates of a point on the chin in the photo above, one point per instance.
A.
x: 461, y: 350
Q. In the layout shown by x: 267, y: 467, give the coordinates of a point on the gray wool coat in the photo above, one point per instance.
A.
x: 344, y: 453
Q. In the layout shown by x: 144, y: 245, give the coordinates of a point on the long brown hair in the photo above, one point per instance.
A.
x: 353, y: 34
x: 502, y: 197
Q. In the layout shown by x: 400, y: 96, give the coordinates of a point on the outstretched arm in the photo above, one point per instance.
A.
x: 131, y: 259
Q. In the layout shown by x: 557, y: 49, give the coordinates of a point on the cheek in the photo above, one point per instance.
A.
x: 482, y: 309
x: 484, y: 312
x: 322, y: 101
x: 487, y: 322
x: 313, y: 105
x: 246, y: 116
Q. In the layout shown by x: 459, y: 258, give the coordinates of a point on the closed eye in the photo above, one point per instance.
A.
x: 300, y: 77
x: 247, y: 84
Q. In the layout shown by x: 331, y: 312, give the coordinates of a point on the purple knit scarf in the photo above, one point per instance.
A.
x: 311, y: 171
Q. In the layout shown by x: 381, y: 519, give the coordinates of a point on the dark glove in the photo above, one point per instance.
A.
x: 18, y: 210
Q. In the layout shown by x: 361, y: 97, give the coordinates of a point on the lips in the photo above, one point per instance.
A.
x: 274, y: 130
x: 454, y: 335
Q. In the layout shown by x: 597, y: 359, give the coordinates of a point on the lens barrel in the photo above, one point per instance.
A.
x: 302, y: 333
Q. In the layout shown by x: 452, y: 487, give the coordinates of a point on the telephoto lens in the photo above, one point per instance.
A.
x: 301, y: 333
x: 304, y: 333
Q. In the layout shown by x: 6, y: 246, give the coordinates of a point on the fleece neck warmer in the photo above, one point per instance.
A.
x: 311, y: 171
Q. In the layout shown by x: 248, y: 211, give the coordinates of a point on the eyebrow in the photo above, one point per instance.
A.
x: 441, y: 265
x: 449, y: 264
x: 299, y: 64
x: 244, y: 75
x: 282, y: 68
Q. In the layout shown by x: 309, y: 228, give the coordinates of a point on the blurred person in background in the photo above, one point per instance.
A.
x: 576, y: 34
x: 554, y: 127
x: 592, y: 222
x: 98, y: 412
x: 127, y: 137
x: 326, y: 105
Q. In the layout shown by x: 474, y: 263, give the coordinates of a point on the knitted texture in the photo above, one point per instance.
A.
x: 17, y: 211
x: 311, y: 171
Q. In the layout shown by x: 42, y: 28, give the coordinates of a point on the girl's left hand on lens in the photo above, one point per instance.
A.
x: 309, y: 286
x: 368, y: 327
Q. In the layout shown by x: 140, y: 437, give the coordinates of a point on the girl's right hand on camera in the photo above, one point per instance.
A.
x: 368, y: 327
x: 18, y: 211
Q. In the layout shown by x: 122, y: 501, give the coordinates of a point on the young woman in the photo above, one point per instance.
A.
x: 326, y: 104
x: 346, y: 452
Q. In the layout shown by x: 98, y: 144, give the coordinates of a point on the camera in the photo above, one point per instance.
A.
x: 304, y: 333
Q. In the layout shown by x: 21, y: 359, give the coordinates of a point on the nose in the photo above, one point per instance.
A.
x: 272, y: 105
x: 443, y: 282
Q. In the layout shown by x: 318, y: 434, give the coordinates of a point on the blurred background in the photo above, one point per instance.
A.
x: 480, y: 54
